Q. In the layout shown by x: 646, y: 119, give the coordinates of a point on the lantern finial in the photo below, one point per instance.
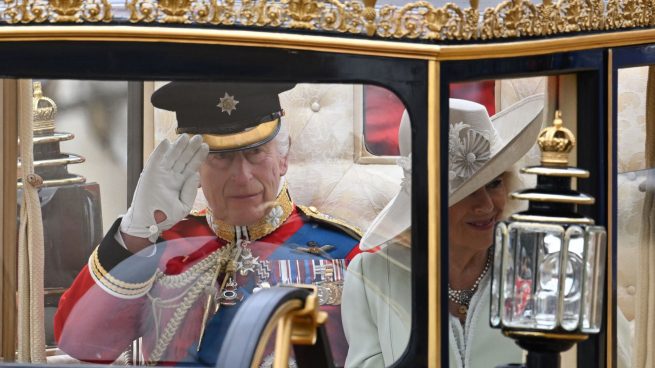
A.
x: 556, y: 142
x: 44, y: 110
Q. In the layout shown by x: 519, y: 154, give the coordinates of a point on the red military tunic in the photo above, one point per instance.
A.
x: 161, y: 295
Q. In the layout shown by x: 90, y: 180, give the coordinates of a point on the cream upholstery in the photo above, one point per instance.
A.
x: 630, y: 209
x: 631, y: 127
x: 322, y: 168
x: 631, y: 95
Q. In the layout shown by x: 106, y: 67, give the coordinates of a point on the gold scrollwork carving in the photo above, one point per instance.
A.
x: 510, y: 18
x: 24, y: 11
x: 327, y: 15
x: 303, y: 13
x: 423, y: 20
x: 175, y: 11
x: 416, y: 20
x: 56, y: 11
x: 348, y: 17
x: 629, y: 13
x: 520, y: 18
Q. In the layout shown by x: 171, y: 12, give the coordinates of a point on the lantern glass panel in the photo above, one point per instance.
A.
x: 572, y: 276
x: 500, y: 243
x: 532, y: 286
x: 593, y: 281
x: 507, y: 278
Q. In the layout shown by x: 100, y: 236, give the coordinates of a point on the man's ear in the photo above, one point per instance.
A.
x: 284, y: 161
x: 284, y: 165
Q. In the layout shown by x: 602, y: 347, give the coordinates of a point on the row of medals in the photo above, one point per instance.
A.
x: 329, y: 290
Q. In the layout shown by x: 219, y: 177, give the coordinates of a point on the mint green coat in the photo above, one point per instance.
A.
x: 376, y: 313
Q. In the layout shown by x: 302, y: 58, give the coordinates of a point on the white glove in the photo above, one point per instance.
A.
x: 168, y: 183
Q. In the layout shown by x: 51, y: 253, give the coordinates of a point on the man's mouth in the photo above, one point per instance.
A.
x: 244, y: 196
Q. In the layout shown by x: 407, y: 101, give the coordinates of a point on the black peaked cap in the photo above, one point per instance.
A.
x: 220, y: 107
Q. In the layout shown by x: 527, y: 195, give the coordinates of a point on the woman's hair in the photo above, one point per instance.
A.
x: 513, y: 182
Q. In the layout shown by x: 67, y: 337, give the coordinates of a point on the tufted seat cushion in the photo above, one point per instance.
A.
x: 630, y: 210
x: 325, y: 126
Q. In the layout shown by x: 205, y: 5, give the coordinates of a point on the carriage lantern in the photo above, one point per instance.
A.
x: 547, y: 280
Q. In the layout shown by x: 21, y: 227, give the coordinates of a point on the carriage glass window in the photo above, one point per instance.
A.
x: 79, y: 151
x: 245, y: 186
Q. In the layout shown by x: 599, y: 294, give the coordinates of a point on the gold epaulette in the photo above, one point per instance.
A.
x: 349, y: 229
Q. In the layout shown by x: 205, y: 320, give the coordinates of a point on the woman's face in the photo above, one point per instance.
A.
x: 471, y: 221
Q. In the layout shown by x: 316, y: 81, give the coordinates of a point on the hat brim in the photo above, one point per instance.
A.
x: 251, y: 138
x: 394, y: 218
x: 518, y: 126
x: 525, y: 115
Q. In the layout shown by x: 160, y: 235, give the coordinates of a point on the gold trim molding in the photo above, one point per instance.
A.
x: 419, y: 20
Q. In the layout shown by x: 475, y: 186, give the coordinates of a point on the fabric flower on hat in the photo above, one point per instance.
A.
x: 453, y: 137
x: 468, y: 153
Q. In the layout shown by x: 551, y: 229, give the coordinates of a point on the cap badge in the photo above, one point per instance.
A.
x: 227, y: 104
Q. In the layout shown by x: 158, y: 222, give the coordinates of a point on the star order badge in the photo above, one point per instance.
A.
x: 227, y: 103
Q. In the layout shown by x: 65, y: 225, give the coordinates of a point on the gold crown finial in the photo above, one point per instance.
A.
x: 38, y: 92
x: 556, y: 142
x: 44, y: 109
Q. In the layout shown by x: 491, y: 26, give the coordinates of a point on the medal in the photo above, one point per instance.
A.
x: 230, y: 294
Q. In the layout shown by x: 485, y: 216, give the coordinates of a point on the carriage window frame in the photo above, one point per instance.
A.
x: 146, y: 61
x: 590, y: 68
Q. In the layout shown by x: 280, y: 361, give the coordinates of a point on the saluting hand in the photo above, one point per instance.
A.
x: 169, y: 184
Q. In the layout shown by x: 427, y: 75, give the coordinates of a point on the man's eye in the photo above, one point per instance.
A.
x: 220, y: 156
x: 255, y: 154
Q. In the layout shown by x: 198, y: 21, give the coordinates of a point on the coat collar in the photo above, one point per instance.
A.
x: 275, y: 217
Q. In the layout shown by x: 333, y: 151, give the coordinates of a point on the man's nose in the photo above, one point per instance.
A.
x: 240, y: 169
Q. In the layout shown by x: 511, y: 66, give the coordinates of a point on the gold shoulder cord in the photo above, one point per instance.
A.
x: 227, y: 266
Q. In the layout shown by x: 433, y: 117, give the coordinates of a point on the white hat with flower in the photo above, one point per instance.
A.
x: 479, y: 149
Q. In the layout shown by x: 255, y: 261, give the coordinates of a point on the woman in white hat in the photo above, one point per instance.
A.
x: 376, y: 302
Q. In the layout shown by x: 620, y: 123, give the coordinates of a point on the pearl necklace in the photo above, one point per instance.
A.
x: 463, y: 296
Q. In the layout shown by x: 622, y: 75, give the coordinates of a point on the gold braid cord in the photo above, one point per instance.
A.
x: 416, y: 20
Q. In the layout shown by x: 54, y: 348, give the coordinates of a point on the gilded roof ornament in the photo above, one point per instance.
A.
x: 421, y: 20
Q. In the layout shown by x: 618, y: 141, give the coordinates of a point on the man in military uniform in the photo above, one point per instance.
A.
x: 177, y: 279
